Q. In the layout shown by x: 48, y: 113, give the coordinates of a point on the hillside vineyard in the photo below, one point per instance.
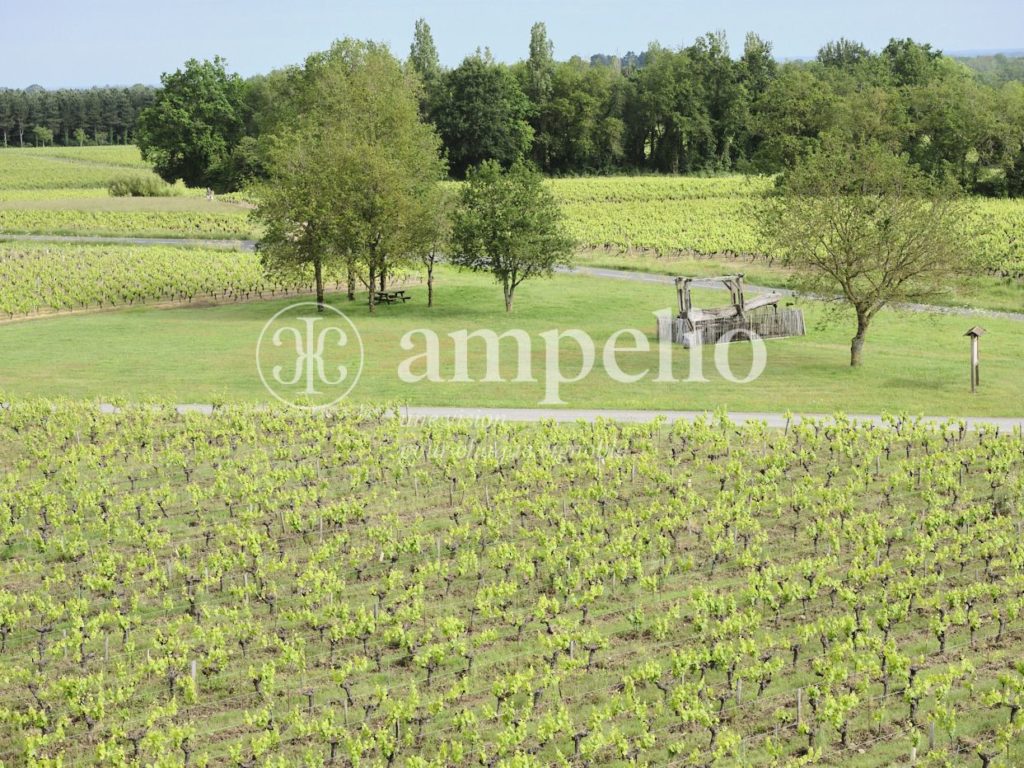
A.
x: 261, y: 587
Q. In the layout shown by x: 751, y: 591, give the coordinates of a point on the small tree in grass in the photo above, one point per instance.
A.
x: 43, y: 135
x: 296, y: 214
x: 857, y: 220
x: 436, y: 240
x: 507, y: 223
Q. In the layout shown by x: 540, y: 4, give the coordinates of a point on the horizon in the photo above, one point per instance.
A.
x: 1012, y: 53
x: 257, y: 40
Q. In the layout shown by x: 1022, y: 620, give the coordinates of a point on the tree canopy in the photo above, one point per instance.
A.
x: 353, y: 176
x: 481, y: 115
x: 857, y: 221
x: 698, y: 108
x: 195, y: 122
x: 75, y: 116
x: 508, y: 224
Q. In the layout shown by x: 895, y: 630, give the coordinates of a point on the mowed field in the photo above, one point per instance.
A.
x: 196, y: 352
x: 914, y: 362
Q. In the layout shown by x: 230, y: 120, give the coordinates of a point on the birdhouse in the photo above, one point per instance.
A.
x: 975, y: 333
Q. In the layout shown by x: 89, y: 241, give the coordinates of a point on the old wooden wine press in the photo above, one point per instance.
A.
x: 744, y: 318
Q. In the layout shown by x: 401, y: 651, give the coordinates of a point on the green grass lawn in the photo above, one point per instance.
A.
x: 913, y: 362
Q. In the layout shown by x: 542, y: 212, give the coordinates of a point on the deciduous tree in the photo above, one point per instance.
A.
x: 509, y: 224
x: 197, y: 119
x: 868, y: 224
x: 353, y: 174
x: 482, y: 115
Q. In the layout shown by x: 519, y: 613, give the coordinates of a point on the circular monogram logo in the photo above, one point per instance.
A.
x: 309, y: 359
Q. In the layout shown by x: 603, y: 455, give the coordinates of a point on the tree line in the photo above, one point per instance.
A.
x: 352, y: 185
x: 71, y: 117
x: 350, y: 149
x: 695, y: 109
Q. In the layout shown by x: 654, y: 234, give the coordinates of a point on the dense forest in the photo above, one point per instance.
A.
x: 698, y: 109
x: 71, y: 117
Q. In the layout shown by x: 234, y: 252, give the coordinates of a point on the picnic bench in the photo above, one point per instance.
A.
x: 390, y: 297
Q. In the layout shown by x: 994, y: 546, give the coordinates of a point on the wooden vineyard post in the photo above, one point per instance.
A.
x: 975, y: 333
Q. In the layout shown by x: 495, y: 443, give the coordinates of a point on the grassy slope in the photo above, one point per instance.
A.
x: 913, y: 362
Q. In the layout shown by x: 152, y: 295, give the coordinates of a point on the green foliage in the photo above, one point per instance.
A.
x: 786, y: 123
x: 687, y: 109
x: 104, y: 115
x: 911, y: 63
x: 690, y: 109
x: 577, y: 126
x: 424, y: 61
x: 509, y: 225
x: 359, y: 183
x: 141, y: 186
x: 423, y: 56
x: 42, y: 135
x: 118, y: 223
x: 868, y: 225
x: 352, y: 589
x: 482, y: 115
x: 195, y: 122
x: 64, y: 168
x: 843, y: 53
x: 44, y: 278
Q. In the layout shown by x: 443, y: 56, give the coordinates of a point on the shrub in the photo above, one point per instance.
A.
x: 140, y: 186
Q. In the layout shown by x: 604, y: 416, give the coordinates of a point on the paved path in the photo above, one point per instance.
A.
x: 610, y: 274
x: 565, y: 415
x: 646, y: 277
x: 774, y: 420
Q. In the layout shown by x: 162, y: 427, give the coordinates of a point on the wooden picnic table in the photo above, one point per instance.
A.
x: 391, y: 297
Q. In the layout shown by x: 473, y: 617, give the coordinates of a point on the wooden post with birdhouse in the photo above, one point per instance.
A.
x: 975, y: 333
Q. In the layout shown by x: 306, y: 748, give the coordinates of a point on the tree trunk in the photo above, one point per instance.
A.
x: 351, y: 282
x: 318, y: 271
x: 373, y: 282
x: 430, y: 283
x: 509, y: 291
x: 383, y: 277
x: 857, y: 342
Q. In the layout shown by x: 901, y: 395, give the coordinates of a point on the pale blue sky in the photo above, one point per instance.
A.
x: 81, y: 43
